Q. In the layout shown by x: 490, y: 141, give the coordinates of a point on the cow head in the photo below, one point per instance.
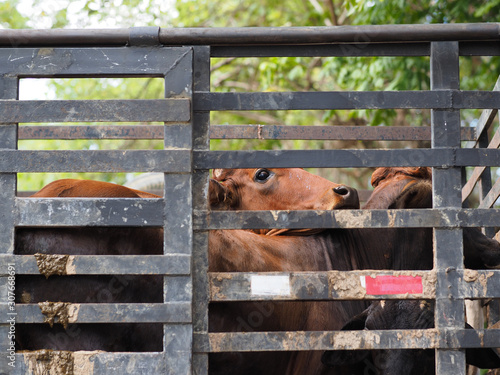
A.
x: 277, y: 189
x: 396, y: 315
x: 401, y: 188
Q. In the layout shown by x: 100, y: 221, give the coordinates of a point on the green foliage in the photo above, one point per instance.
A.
x: 273, y: 74
x: 10, y: 17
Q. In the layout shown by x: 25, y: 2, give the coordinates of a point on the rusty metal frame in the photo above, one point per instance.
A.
x: 189, y: 102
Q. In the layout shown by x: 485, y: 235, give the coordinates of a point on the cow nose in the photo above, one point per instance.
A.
x: 341, y: 190
x: 349, y: 196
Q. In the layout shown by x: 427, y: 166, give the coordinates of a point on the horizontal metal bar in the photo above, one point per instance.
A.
x: 90, y: 62
x: 169, y: 161
x: 342, y: 50
x: 347, y: 158
x: 489, y: 48
x: 330, y: 285
x: 91, y: 132
x: 478, y: 48
x: 338, y: 34
x: 343, y: 285
x: 167, y: 110
x: 255, y: 101
x: 259, y: 35
x: 385, y: 133
x: 63, y: 212
x: 410, y: 218
x: 99, y: 362
x: 171, y: 312
x: 345, y: 340
x: 168, y: 264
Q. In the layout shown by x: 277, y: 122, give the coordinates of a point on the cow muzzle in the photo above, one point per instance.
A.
x: 348, y: 197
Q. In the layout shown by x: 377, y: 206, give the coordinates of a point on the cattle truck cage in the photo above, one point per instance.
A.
x: 182, y: 58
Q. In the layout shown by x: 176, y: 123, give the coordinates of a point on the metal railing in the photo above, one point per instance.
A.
x: 182, y: 58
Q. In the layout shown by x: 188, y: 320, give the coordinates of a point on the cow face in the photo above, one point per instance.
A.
x: 277, y: 189
x: 401, y: 188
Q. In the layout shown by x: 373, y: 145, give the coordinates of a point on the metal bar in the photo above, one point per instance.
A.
x: 345, y: 340
x: 201, y: 141
x: 389, y: 133
x: 94, y: 161
x: 171, y: 312
x: 124, y: 212
x: 106, y: 264
x: 409, y: 218
x: 342, y: 34
x: 446, y: 188
x: 167, y: 110
x: 177, y: 219
x: 258, y: 35
x: 341, y: 285
x: 259, y: 101
x: 8, y: 186
x: 479, y: 48
x: 342, y: 50
x: 478, y: 171
x: 91, y: 132
x: 485, y: 121
x: 346, y: 158
x: 330, y: 285
x: 89, y: 62
x: 492, y: 196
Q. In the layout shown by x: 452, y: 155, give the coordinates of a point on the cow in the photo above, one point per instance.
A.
x: 411, y: 188
x: 313, y: 193
x: 322, y: 250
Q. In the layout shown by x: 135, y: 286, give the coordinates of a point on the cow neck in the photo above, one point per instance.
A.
x: 355, y: 249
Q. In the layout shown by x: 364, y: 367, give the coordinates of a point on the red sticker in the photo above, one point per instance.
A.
x: 382, y: 285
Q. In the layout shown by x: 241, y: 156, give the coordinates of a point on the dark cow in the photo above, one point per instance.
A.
x: 412, y: 188
x: 325, y: 250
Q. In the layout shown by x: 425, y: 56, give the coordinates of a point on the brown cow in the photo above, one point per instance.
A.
x: 328, y: 250
x: 128, y: 241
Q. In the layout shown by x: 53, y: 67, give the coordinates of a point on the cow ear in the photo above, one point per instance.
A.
x: 217, y: 195
x: 417, y: 195
x: 348, y: 357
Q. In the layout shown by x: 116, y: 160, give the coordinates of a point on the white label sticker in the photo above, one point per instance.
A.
x: 263, y: 285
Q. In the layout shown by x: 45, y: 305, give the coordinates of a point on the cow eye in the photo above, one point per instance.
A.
x: 262, y: 175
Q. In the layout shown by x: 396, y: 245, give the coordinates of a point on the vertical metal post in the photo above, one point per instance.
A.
x: 448, y: 243
x: 178, y: 221
x: 201, y: 141
x: 9, y: 89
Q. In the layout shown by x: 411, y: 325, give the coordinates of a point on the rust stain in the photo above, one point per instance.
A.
x: 51, y: 264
